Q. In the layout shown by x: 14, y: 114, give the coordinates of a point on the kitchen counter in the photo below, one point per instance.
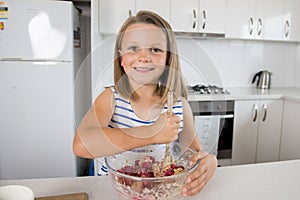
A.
x: 286, y: 93
x: 275, y: 180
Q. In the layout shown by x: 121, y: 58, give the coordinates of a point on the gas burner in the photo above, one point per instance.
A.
x: 208, y: 89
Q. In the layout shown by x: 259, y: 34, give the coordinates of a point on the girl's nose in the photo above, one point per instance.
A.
x: 144, y: 55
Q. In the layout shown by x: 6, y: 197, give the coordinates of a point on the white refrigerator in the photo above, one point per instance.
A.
x: 42, y: 93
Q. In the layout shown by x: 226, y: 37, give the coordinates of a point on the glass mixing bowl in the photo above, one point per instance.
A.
x: 143, y: 173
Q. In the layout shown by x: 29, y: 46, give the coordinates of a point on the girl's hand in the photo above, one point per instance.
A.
x: 165, y: 129
x: 197, y: 180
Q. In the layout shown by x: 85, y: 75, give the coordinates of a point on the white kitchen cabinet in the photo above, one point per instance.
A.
x: 205, y: 16
x: 240, y: 19
x: 113, y: 13
x: 184, y: 15
x: 212, y: 16
x: 254, y: 19
x: 291, y: 20
x: 160, y: 7
x: 290, y: 148
x: 257, y: 131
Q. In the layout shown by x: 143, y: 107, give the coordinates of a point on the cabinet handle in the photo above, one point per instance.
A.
x: 259, y: 26
x: 250, y: 25
x: 194, y: 19
x: 129, y: 13
x: 204, y: 19
x: 287, y: 28
x: 264, y: 107
x: 255, y: 109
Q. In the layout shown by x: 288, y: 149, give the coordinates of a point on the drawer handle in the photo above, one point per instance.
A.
x: 287, y: 28
x: 194, y: 19
x: 255, y: 109
x: 204, y: 19
x: 250, y: 26
x: 129, y: 13
x: 265, y: 112
x: 259, y: 26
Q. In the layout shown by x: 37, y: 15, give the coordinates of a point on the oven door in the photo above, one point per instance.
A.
x: 214, y: 126
x: 215, y: 133
x: 208, y: 130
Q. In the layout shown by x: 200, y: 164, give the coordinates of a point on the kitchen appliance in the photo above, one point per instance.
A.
x: 207, y: 89
x: 214, y: 125
x: 263, y: 79
x: 38, y: 69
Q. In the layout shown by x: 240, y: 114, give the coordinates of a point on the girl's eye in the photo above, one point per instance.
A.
x: 156, y: 50
x: 133, y: 49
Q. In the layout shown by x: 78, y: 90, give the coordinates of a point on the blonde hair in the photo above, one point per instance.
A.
x: 171, y: 79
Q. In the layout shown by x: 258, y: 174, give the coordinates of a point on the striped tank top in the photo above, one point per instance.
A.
x: 124, y: 116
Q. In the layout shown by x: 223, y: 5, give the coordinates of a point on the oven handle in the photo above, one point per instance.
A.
x: 221, y: 116
x: 226, y: 116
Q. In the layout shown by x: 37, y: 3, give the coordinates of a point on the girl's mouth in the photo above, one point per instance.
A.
x: 143, y: 69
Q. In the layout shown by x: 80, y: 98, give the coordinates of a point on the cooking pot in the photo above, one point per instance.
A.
x: 264, y: 79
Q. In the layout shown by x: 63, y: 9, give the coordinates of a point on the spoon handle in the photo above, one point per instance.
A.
x: 170, y: 103
x: 169, y: 112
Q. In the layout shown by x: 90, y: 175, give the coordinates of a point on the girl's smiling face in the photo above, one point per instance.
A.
x: 143, y: 53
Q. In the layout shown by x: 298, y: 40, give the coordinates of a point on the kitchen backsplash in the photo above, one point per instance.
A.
x: 228, y: 63
x: 232, y: 63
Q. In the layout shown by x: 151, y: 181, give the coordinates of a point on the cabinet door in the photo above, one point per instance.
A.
x: 245, y: 132
x: 291, y: 20
x: 290, y: 148
x: 269, y: 131
x: 212, y: 16
x: 113, y: 13
x: 184, y: 15
x: 160, y: 7
x: 240, y: 19
x: 269, y: 19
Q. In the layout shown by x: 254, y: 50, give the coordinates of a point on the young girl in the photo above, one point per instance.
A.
x: 133, y: 112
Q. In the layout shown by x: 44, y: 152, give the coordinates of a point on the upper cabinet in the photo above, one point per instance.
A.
x: 269, y: 19
x: 291, y: 20
x: 160, y: 7
x: 113, y: 13
x: 212, y: 16
x: 184, y: 15
x: 277, y: 20
x: 263, y: 19
x: 254, y: 19
x: 206, y: 16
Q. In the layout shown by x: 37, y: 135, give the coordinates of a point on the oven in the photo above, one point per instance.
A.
x: 214, y: 126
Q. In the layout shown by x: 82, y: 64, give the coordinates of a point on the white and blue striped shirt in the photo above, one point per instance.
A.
x: 125, y: 117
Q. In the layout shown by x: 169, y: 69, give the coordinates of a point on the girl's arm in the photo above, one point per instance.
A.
x: 189, y: 135
x: 94, y: 139
x: 208, y: 163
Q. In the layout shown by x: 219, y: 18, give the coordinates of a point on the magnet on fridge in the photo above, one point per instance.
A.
x: 1, y: 25
x: 3, y: 12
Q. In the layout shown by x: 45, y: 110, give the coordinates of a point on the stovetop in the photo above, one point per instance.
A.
x: 208, y: 89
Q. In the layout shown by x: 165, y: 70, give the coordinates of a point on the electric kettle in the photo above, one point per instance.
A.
x: 264, y: 79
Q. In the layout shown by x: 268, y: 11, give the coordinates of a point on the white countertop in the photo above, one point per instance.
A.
x: 276, y: 181
x: 286, y: 93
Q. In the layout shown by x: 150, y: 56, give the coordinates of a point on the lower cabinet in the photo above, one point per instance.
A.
x: 290, y: 140
x: 257, y: 131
